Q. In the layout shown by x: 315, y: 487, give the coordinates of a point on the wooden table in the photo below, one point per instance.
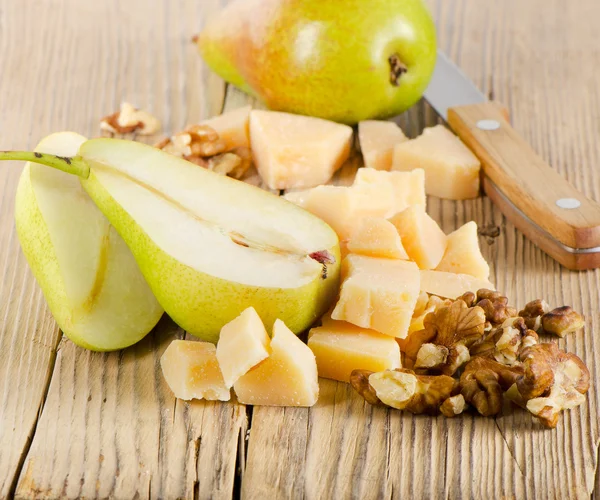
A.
x: 79, y: 424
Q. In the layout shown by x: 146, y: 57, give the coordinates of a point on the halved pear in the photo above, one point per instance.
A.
x: 89, y: 277
x: 208, y: 245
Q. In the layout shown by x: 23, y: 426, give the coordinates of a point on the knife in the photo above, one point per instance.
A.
x: 558, y: 218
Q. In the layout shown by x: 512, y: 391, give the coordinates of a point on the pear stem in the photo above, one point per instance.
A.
x: 75, y: 165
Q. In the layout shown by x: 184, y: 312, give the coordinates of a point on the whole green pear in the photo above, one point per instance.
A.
x: 343, y: 60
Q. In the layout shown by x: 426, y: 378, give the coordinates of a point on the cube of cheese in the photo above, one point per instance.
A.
x: 192, y: 371
x: 379, y: 294
x: 451, y: 285
x: 404, y: 188
x: 288, y: 377
x: 373, y: 194
x: 422, y: 238
x: 377, y: 141
x: 243, y: 343
x: 341, y: 347
x: 463, y: 255
x: 336, y: 205
x: 233, y: 127
x: 451, y: 169
x: 376, y: 237
x: 294, y: 151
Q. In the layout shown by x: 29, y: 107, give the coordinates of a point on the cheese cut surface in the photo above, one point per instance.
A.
x: 243, y: 343
x: 451, y: 169
x: 377, y: 141
x: 451, y: 285
x: 379, y: 294
x: 288, y: 377
x: 233, y: 127
x: 192, y: 371
x: 463, y: 255
x: 405, y: 188
x: 293, y: 151
x: 341, y: 347
x: 376, y: 237
x: 336, y: 205
x: 422, y: 238
x: 373, y: 194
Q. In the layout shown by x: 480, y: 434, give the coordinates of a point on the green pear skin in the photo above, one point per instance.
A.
x: 325, y: 58
x: 200, y: 302
x: 87, y: 274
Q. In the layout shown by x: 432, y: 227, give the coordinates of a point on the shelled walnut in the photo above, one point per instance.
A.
x: 503, y: 343
x: 202, y: 145
x: 405, y: 390
x: 129, y: 120
x: 495, y: 306
x: 443, y: 345
x: 484, y: 381
x: 562, y: 321
x: 552, y: 381
x: 532, y: 313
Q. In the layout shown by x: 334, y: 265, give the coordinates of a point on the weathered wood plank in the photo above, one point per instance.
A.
x: 510, y: 50
x: 109, y: 425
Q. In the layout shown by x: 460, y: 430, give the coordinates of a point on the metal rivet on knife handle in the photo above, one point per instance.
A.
x: 568, y: 203
x: 488, y: 125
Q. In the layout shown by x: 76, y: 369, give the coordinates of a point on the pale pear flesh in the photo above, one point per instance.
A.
x: 211, y: 246
x: 88, y: 276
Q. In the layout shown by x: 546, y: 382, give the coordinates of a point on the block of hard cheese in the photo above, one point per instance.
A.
x: 374, y: 194
x: 422, y: 238
x: 379, y: 294
x: 341, y: 347
x: 294, y: 151
x: 243, y: 343
x: 451, y: 285
x: 377, y: 141
x: 336, y: 205
x: 288, y: 377
x: 463, y: 255
x: 376, y: 237
x: 232, y: 127
x: 403, y: 188
x: 192, y: 371
x: 451, y: 169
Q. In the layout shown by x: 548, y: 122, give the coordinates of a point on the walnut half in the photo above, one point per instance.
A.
x: 443, y: 345
x: 553, y: 380
x: 405, y: 390
x: 130, y: 120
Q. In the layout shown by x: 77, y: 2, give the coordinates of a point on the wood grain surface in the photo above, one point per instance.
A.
x: 80, y: 424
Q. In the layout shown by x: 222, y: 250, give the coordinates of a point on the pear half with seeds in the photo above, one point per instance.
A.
x: 209, y: 246
x: 89, y: 277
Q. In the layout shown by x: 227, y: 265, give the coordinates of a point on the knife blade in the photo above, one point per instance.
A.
x: 558, y: 218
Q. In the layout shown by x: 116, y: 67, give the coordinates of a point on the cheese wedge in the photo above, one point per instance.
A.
x: 288, y: 377
x: 192, y: 371
x: 422, y: 238
x: 243, y: 343
x: 377, y: 141
x: 405, y: 188
x: 463, y: 255
x: 451, y: 285
x: 341, y: 347
x: 376, y: 237
x: 294, y: 151
x: 233, y: 127
x: 379, y: 294
x: 451, y: 169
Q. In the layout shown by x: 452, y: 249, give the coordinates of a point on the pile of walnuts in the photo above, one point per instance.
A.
x: 480, y: 352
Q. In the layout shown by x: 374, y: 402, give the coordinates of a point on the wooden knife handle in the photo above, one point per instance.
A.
x: 525, y: 179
